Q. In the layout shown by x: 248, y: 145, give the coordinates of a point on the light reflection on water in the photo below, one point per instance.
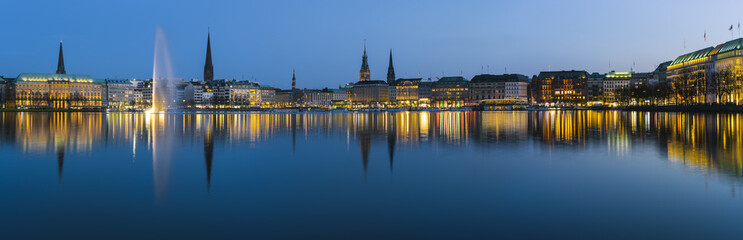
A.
x: 706, y: 144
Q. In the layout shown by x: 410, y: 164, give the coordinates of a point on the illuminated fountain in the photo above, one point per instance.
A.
x: 163, y: 80
x: 163, y: 97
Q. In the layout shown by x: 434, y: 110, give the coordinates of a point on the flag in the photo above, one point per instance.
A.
x: 731, y: 27
x: 705, y: 35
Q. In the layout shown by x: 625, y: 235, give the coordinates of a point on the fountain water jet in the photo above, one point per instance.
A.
x: 163, y: 80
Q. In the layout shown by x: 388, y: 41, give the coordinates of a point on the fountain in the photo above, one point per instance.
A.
x: 163, y: 97
x: 163, y: 80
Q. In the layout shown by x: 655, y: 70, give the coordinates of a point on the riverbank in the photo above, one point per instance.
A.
x: 687, y: 108
x: 51, y: 110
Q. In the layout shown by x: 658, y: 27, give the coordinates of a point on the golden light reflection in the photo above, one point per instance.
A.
x: 705, y: 141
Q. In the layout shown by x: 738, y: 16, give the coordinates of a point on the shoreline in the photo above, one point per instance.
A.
x: 674, y: 108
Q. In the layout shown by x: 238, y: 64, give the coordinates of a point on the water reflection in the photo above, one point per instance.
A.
x: 697, y: 141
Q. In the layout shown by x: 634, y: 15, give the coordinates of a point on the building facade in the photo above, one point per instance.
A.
x: 506, y: 86
x: 119, y: 93
x: 561, y: 88
x: 406, y: 92
x: 450, y: 92
x: 708, y: 75
x: 56, y: 91
x: 368, y: 93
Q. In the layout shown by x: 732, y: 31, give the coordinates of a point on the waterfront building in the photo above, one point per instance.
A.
x: 118, y: 93
x: 406, y: 92
x: 142, y: 93
x: 317, y: 98
x: 595, y: 89
x: 268, y: 96
x: 283, y: 98
x: 659, y: 74
x: 694, y: 78
x: 614, y: 83
x: 340, y: 95
x: 450, y: 92
x: 369, y: 92
x: 56, y: 91
x: 561, y: 87
x: 194, y: 92
x: 243, y: 94
x: 506, y: 86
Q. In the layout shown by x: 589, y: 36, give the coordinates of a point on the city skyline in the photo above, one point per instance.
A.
x: 325, y: 51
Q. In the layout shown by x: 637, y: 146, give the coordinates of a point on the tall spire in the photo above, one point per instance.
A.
x: 208, y: 67
x: 390, y: 71
x: 60, y: 61
x: 364, y: 73
x: 294, y: 80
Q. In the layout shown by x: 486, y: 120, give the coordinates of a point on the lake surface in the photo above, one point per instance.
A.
x: 448, y: 175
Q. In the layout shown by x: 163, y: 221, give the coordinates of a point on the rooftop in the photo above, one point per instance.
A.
x: 563, y: 74
x: 500, y: 78
x: 44, y: 77
x: 732, y: 45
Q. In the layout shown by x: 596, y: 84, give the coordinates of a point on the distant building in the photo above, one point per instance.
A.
x: 507, y: 86
x: 659, y: 74
x: 561, y: 87
x: 614, y: 82
x: 56, y: 91
x: 143, y: 93
x: 284, y: 98
x: 119, y: 93
x: 268, y: 96
x: 693, y: 76
x: 317, y: 98
x: 406, y: 91
x: 424, y: 89
x: 595, y: 88
x: 194, y: 92
x: 370, y: 92
x: 450, y: 92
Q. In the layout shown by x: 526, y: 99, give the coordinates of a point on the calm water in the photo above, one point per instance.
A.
x: 578, y: 174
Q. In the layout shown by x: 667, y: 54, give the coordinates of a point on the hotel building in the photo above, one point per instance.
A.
x: 693, y: 78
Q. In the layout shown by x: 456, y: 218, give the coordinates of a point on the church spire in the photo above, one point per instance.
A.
x: 390, y: 71
x: 364, y: 73
x: 208, y: 67
x: 60, y: 61
x: 294, y: 80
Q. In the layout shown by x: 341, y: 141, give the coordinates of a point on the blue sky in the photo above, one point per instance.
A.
x: 323, y: 40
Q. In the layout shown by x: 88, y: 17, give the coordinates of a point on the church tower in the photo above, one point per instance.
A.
x: 60, y: 61
x: 390, y: 71
x: 294, y: 80
x: 364, y: 73
x: 208, y: 67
